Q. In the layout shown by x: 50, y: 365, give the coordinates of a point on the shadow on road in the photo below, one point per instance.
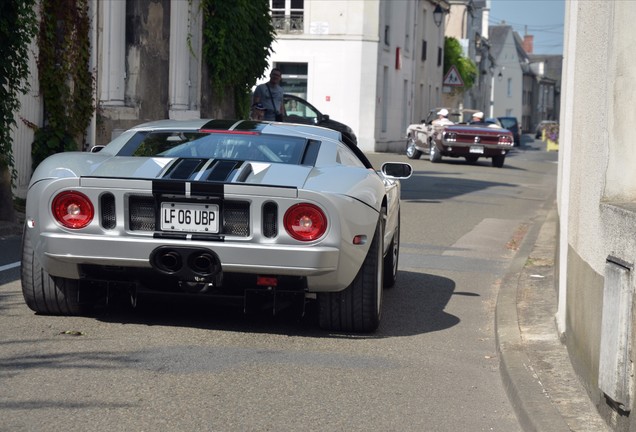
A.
x: 414, y: 306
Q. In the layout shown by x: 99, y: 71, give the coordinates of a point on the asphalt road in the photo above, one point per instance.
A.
x: 193, y: 366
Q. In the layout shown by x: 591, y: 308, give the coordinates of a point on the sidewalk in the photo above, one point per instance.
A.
x: 535, y: 367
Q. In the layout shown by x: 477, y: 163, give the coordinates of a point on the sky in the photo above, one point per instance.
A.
x: 541, y: 18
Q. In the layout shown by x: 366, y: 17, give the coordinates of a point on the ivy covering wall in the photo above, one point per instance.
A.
x: 453, y: 56
x: 18, y: 26
x: 66, y: 81
x: 237, y: 39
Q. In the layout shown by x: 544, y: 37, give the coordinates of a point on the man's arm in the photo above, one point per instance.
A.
x: 256, y: 97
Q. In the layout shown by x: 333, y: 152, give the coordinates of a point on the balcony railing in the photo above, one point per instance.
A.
x: 288, y: 24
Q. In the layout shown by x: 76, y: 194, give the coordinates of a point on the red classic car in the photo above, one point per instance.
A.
x: 468, y: 140
x: 473, y: 141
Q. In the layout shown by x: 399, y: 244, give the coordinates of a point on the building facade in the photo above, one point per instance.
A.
x: 507, y: 73
x: 375, y: 65
x: 596, y: 201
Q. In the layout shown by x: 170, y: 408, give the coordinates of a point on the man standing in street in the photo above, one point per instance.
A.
x: 270, y: 96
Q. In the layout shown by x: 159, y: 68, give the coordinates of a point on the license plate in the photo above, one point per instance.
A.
x: 476, y: 149
x: 189, y: 217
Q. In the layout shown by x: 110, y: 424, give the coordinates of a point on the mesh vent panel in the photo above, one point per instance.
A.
x: 236, y: 218
x: 107, y: 205
x: 141, y: 213
x: 270, y: 218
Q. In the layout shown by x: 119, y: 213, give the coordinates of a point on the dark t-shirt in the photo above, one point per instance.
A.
x: 262, y: 93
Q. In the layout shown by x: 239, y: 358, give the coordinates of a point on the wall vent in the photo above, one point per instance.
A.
x: 615, y: 367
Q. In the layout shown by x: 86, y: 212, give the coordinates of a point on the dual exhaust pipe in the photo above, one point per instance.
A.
x: 187, y: 264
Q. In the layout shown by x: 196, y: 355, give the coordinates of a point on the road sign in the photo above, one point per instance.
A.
x: 453, y: 78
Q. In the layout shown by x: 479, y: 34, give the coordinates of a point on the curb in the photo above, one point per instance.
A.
x: 534, y: 409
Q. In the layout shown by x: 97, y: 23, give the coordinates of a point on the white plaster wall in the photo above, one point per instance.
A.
x: 620, y: 174
x: 589, y: 129
x: 334, y: 71
x: 344, y: 17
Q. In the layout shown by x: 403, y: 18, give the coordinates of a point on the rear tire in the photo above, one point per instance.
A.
x: 411, y: 149
x: 358, y: 307
x: 44, y: 293
x: 498, y: 161
x: 434, y: 155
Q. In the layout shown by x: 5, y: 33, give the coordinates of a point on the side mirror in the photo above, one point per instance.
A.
x: 97, y: 148
x: 324, y: 118
x: 397, y: 170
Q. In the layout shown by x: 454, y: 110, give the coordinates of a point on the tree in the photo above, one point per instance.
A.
x: 237, y: 36
x: 453, y: 56
x: 18, y: 26
x: 66, y: 82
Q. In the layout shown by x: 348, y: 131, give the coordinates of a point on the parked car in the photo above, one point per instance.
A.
x: 419, y: 136
x: 541, y: 126
x: 512, y: 124
x: 298, y: 110
x: 216, y: 208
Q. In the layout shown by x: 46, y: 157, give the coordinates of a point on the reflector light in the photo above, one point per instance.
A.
x: 305, y: 222
x: 73, y: 209
x: 359, y: 239
x: 266, y: 281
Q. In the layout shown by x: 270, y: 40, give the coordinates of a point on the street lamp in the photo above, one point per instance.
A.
x: 438, y: 13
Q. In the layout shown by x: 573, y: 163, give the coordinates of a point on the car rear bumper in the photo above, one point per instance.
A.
x: 469, y: 149
x: 62, y: 255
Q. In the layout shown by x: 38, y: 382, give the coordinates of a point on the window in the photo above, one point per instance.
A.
x: 287, y: 15
x: 440, y: 56
x: 423, y: 50
x: 407, y: 27
x: 294, y: 78
x: 346, y: 157
x: 387, y: 26
x: 385, y: 99
x: 509, y: 90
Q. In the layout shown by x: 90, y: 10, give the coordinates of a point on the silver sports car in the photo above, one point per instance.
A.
x: 231, y: 209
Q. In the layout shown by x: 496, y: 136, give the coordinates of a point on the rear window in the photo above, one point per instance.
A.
x: 253, y: 147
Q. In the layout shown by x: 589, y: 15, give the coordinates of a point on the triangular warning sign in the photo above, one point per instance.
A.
x: 453, y: 78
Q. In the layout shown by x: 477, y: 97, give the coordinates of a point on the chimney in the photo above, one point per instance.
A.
x: 528, y: 42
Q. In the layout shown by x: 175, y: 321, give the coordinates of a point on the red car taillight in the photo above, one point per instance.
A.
x: 505, y: 140
x: 450, y: 136
x: 73, y: 209
x: 305, y: 222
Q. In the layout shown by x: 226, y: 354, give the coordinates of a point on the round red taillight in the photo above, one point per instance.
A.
x: 305, y: 222
x: 73, y: 209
